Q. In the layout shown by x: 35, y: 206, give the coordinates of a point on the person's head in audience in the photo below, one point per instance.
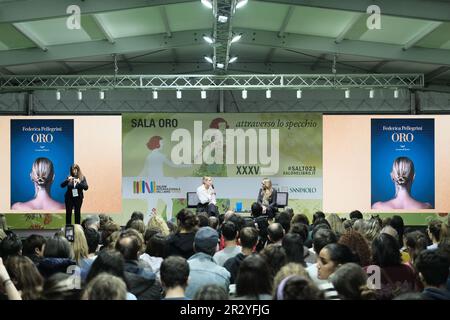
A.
x: 297, y: 287
x: 293, y: 245
x: 173, y: 227
x: 92, y: 239
x: 415, y: 242
x: 371, y: 229
x: 60, y: 286
x: 58, y: 247
x: 110, y: 242
x: 284, y: 218
x: 150, y: 232
x: 301, y: 229
x: 174, y: 273
x: 350, y: 281
x: 256, y: 210
x: 203, y: 220
x: 91, y: 222
x: 79, y: 245
x: 321, y: 222
x: 105, y: 287
x: 10, y: 246
x: 211, y: 292
x: 335, y: 223
x: 437, y: 230
x: 275, y: 257
x: 356, y: 242
x: 356, y: 214
x: 390, y: 231
x: 33, y: 246
x: 103, y: 219
x: 228, y: 215
x: 130, y: 244
x: 108, y: 229
x: 25, y: 277
x: 156, y: 246
x: 433, y: 268
x: 254, y: 277
x: 322, y: 237
x: 347, y: 224
x: 399, y: 226
x: 275, y: 233
x: 206, y: 240
x: 187, y: 221
x: 157, y: 222
x: 248, y: 238
x: 358, y: 225
x: 386, y: 251
x: 238, y: 221
x: 137, y: 215
x: 107, y: 261
x: 331, y: 257
x: 290, y: 269
x: 300, y: 218
x: 229, y: 232
x: 213, y: 222
x: 138, y: 225
x: 318, y: 215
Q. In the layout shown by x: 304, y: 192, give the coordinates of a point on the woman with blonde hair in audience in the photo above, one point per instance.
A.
x: 157, y: 222
x: 79, y: 244
x: 336, y: 224
x: 290, y: 269
x: 371, y: 229
x: 139, y: 226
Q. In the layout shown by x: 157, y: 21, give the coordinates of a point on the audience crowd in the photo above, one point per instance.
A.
x: 286, y: 257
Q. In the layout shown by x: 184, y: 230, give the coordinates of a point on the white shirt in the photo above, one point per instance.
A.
x: 223, y: 255
x: 206, y: 195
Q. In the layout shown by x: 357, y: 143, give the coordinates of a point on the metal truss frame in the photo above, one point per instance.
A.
x: 210, y: 82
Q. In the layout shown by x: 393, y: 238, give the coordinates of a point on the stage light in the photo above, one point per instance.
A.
x: 155, y: 94
x: 80, y: 95
x: 222, y: 19
x: 209, y: 59
x: 101, y: 95
x: 244, y: 94
x: 347, y: 94
x: 207, y: 3
x: 203, y: 94
x: 220, y: 65
x: 236, y: 38
x: 299, y: 94
x: 241, y: 3
x: 58, y: 95
x: 268, y: 94
x: 396, y: 93
x: 371, y: 93
x: 208, y: 39
x: 179, y: 95
x: 232, y: 59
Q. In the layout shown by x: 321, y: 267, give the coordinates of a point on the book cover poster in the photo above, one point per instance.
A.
x: 42, y: 152
x: 403, y: 163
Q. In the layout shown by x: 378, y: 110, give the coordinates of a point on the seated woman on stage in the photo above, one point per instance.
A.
x: 267, y: 198
x: 207, y: 197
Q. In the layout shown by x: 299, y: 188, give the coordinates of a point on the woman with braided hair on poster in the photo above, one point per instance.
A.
x: 402, y: 175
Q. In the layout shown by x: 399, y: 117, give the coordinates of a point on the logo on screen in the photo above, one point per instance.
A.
x: 144, y: 186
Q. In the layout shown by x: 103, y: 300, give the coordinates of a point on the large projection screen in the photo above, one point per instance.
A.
x: 347, y: 167
x: 95, y: 145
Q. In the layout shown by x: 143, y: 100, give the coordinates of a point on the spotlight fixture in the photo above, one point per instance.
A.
x: 220, y: 65
x: 101, y: 95
x: 203, y: 94
x: 299, y: 94
x: 209, y: 59
x: 155, y: 94
x: 347, y: 94
x: 208, y: 39
x: 232, y: 59
x: 268, y: 94
x: 222, y: 19
x: 371, y: 93
x: 244, y: 94
x: 80, y: 95
x: 236, y: 38
x: 58, y: 95
x: 207, y: 3
x: 241, y: 3
x: 396, y: 93
x: 179, y: 94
